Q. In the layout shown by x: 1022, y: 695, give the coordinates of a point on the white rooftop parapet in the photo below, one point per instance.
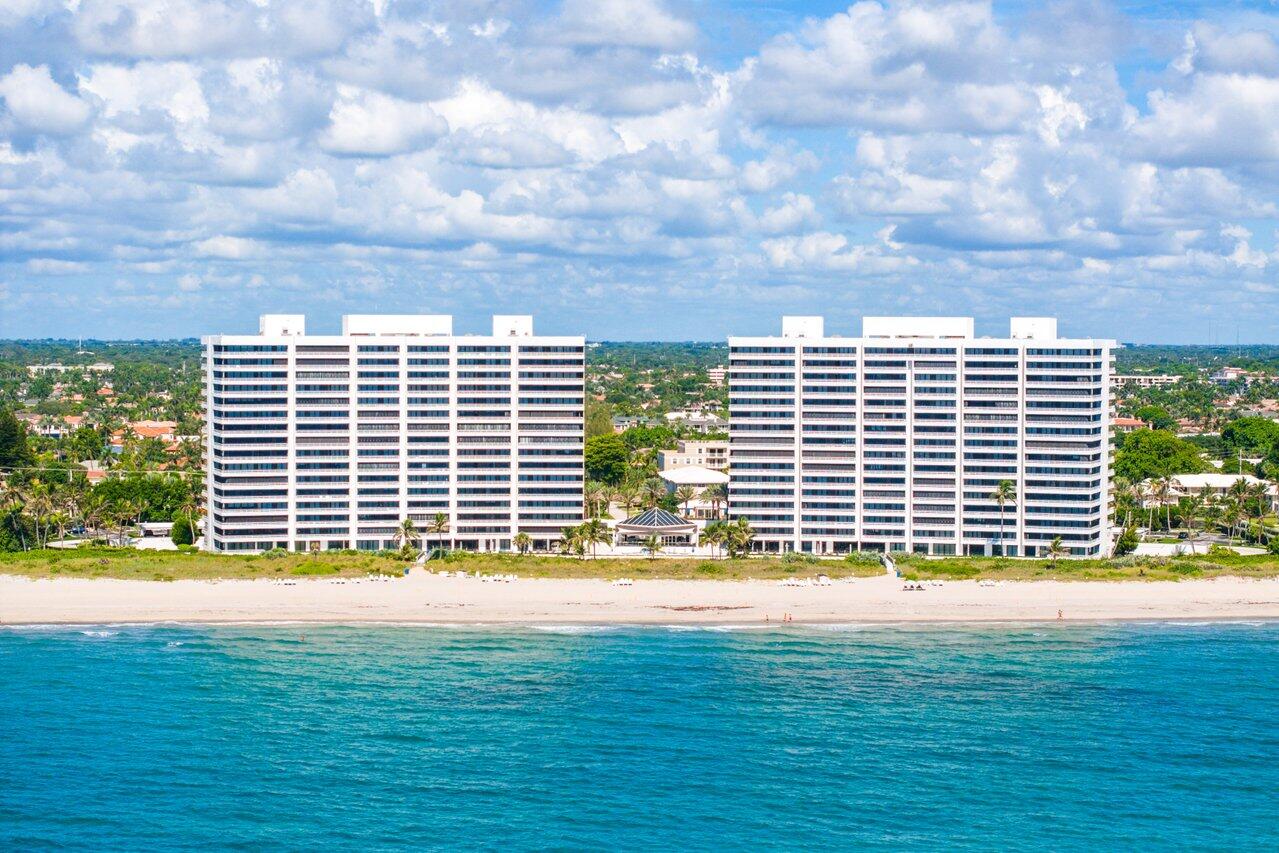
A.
x: 512, y: 325
x: 275, y: 325
x: 1033, y: 328
x: 803, y: 327
x: 397, y: 324
x: 917, y: 327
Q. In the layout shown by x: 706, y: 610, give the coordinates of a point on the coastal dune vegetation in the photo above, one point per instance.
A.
x: 189, y: 564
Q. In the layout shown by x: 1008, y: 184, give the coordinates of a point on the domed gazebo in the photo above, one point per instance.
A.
x: 666, y: 526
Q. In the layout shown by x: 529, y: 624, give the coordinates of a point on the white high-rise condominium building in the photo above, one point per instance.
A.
x: 320, y: 442
x: 897, y: 439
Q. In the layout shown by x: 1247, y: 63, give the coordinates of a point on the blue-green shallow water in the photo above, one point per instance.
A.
x: 993, y: 738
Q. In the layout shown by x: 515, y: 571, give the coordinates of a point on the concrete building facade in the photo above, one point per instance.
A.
x: 896, y: 440
x: 320, y: 442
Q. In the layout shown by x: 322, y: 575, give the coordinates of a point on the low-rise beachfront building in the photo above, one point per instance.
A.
x: 331, y: 441
x: 667, y: 527
x: 1213, y: 486
x: 895, y: 440
x: 702, y: 454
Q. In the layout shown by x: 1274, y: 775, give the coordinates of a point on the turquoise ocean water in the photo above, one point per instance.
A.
x: 1133, y: 737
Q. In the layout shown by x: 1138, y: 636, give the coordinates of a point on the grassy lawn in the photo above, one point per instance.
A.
x: 126, y: 563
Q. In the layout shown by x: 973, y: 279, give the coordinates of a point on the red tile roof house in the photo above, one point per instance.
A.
x: 163, y: 430
x: 1127, y: 424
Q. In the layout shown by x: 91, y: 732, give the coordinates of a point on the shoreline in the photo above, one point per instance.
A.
x: 602, y: 625
x: 431, y: 600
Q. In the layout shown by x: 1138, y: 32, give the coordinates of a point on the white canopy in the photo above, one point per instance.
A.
x: 694, y: 475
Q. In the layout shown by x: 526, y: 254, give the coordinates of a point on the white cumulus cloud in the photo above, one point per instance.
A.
x: 373, y: 124
x: 36, y: 101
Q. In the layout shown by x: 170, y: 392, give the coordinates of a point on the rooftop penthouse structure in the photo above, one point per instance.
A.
x: 320, y: 442
x: 896, y: 439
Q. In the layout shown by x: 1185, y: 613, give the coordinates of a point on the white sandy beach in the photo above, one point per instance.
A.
x: 427, y: 598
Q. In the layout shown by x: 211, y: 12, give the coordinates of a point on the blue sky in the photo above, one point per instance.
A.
x: 636, y: 169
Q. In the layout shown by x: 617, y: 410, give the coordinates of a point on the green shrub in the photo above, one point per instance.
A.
x: 1127, y: 542
x: 862, y: 558
x: 947, y: 569
x: 315, y: 569
x: 182, y: 533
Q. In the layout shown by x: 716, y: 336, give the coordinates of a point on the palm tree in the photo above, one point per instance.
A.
x: 135, y: 509
x: 1267, y: 504
x: 1237, y: 494
x: 715, y: 495
x: 40, y: 505
x: 1213, y: 515
x: 713, y: 534
x: 190, y: 509
x: 571, y: 541
x: 652, y: 545
x: 67, y: 507
x: 1004, y: 493
x: 1124, y: 494
x: 119, y: 519
x: 406, y: 534
x: 653, y: 490
x: 438, y: 526
x: 94, y: 515
x: 596, y: 495
x: 523, y: 542
x: 625, y: 495
x: 1192, y: 512
x: 595, y: 532
x: 684, y: 495
x: 1161, y: 491
x: 12, y: 499
x: 1145, y: 500
x: 644, y: 461
x: 1258, y: 501
x: 739, y: 535
x: 1232, y: 513
x: 1055, y: 550
x: 59, y: 520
